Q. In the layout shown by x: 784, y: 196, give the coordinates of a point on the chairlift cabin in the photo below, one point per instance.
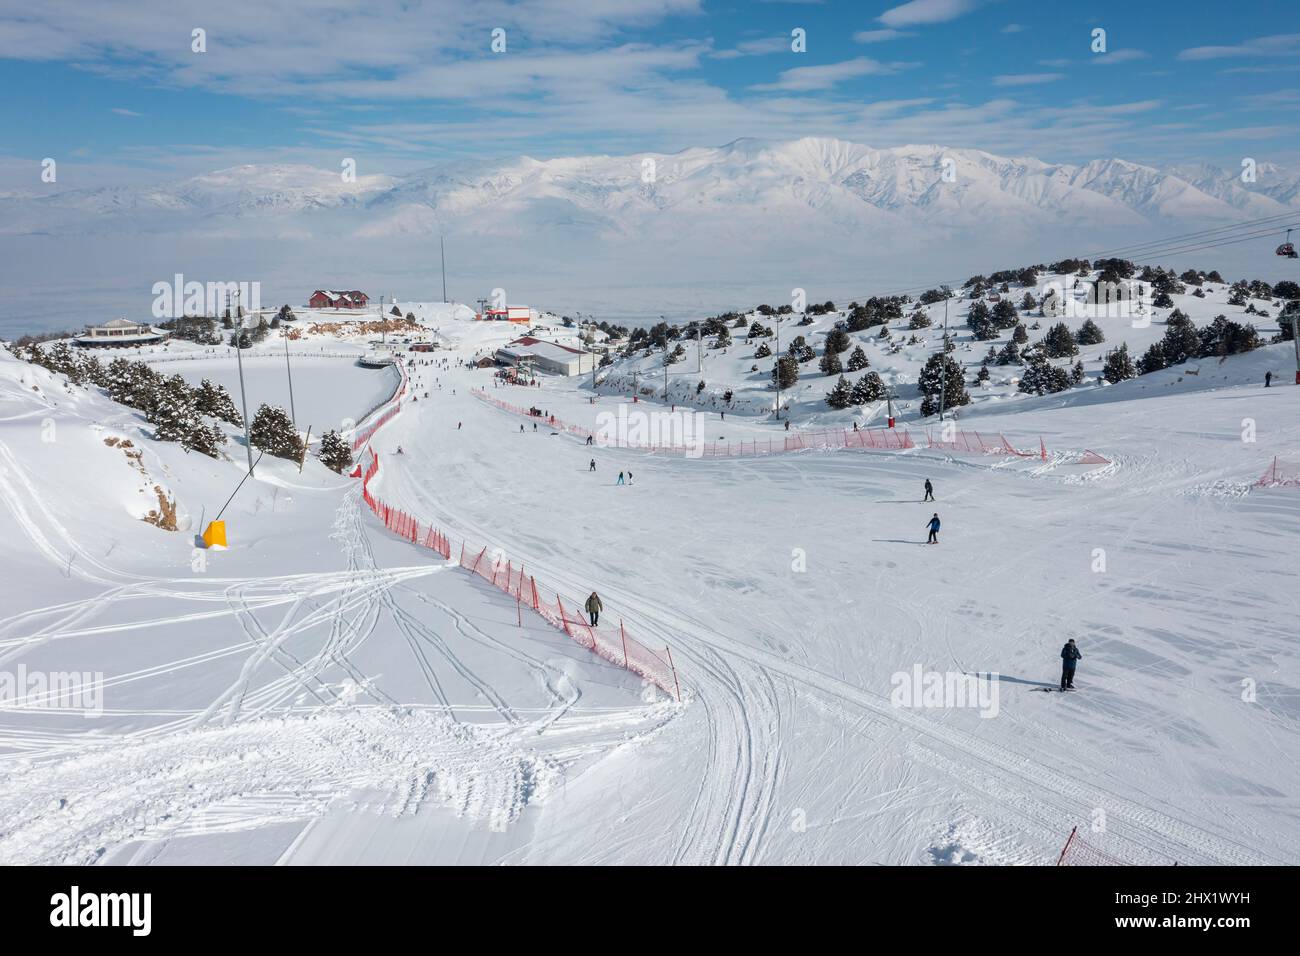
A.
x: 1287, y: 248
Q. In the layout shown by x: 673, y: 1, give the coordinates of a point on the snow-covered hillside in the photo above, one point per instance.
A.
x: 738, y: 370
x: 324, y: 691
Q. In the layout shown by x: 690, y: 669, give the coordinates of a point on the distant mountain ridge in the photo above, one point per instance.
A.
x: 839, y: 185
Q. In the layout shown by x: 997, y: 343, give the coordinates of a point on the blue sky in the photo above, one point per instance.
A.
x: 116, y: 93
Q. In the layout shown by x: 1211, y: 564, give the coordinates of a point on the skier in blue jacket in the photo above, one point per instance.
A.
x: 1070, y: 657
x: 934, y: 529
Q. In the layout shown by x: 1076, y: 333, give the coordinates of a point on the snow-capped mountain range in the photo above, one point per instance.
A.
x: 825, y: 183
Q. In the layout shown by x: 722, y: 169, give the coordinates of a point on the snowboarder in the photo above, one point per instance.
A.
x: 458, y: 424
x: 399, y: 449
x: 934, y: 529
x: 593, y: 465
x: 929, y: 491
x: 620, y: 478
x: 589, y: 439
x: 594, y: 607
x: 1268, y: 379
x: 1070, y: 657
x: 629, y: 477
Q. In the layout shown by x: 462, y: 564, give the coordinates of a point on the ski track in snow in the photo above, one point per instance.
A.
x: 741, y: 687
x: 293, y: 745
x: 250, y: 757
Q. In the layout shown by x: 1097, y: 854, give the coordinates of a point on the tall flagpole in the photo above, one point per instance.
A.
x: 442, y: 250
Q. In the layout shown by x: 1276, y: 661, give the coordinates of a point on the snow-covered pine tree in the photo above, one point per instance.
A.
x: 273, y: 433
x: 215, y: 401
x: 837, y: 340
x: 841, y: 395
x: 857, y: 360
x: 1059, y: 342
x: 763, y: 351
x: 868, y: 388
x: 1043, y: 378
x: 785, y: 372
x: 1118, y: 366
x: 335, y: 452
x: 942, y: 374
x: 830, y: 363
x: 1005, y: 315
x: 1009, y: 354
x: 1090, y: 333
x: 1153, y: 360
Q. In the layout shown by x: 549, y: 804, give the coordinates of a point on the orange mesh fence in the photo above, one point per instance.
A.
x: 1078, y: 852
x: 976, y: 444
x: 617, y: 647
x: 863, y: 439
x: 382, y: 415
x: 1280, y: 474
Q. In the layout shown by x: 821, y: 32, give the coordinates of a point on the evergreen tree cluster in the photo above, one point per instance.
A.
x: 175, y: 409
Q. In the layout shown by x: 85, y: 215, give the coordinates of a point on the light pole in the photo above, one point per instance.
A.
x: 943, y: 361
x: 239, y: 358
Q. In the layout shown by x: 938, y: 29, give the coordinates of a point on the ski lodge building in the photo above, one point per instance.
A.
x: 546, y: 356
x: 510, y: 313
x: 119, y: 333
x: 328, y: 299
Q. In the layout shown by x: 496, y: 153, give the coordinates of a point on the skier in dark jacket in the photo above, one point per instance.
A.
x: 593, y: 465
x: 1268, y: 379
x: 1070, y: 657
x: 929, y: 491
x: 934, y: 529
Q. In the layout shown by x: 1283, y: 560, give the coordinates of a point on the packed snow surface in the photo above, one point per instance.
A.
x: 324, y: 692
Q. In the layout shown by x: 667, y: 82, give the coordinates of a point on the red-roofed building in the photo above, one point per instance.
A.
x: 329, y: 299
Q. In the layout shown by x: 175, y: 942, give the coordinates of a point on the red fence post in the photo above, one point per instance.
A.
x: 623, y: 634
x: 674, y: 667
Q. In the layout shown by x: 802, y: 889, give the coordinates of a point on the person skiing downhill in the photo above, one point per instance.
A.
x: 593, y: 465
x: 1070, y: 657
x: 934, y: 529
x: 594, y: 607
x: 929, y: 491
x: 620, y: 478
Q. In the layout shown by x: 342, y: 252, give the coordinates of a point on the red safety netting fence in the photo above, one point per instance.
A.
x: 1078, y: 852
x: 382, y: 415
x: 1280, y: 474
x: 977, y: 444
x: 1090, y: 457
x: 617, y: 647
x: 866, y: 439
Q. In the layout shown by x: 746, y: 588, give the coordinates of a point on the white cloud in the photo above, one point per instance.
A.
x: 918, y: 12
x: 122, y: 111
x: 1014, y: 28
x: 1119, y: 56
x: 878, y: 36
x: 805, y: 79
x: 1281, y: 44
x: 1027, y: 79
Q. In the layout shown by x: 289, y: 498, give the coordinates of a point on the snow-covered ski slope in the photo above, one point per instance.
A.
x: 324, y: 692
